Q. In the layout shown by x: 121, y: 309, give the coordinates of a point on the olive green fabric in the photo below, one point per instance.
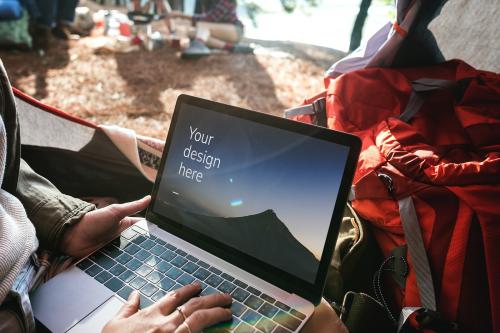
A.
x: 48, y: 209
x: 349, y: 282
x: 355, y: 260
x: 10, y: 321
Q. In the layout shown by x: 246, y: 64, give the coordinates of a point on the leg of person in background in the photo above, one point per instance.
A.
x: 64, y: 19
x: 219, y: 35
x: 224, y: 36
x: 215, y: 35
x: 43, y: 23
x: 137, y: 5
x: 48, y: 12
x: 225, y: 32
x: 164, y: 8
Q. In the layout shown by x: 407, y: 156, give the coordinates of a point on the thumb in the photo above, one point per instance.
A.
x: 121, y: 211
x: 131, y: 307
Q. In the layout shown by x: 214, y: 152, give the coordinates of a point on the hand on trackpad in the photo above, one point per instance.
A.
x: 67, y: 298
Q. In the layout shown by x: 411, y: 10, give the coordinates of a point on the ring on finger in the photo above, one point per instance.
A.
x: 183, y: 316
x: 187, y: 326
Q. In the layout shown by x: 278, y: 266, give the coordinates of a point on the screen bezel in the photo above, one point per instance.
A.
x: 278, y: 277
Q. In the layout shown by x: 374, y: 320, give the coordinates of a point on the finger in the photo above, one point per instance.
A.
x: 173, y: 299
x: 123, y: 225
x: 121, y: 211
x: 127, y: 222
x: 204, y: 318
x: 206, y: 302
x: 131, y: 307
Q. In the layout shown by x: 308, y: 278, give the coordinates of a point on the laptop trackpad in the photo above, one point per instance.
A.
x: 67, y: 298
x: 96, y: 320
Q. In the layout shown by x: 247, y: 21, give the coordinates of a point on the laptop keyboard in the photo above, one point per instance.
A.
x: 136, y: 261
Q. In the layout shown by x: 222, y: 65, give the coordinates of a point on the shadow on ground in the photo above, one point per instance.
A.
x: 138, y: 90
x: 22, y: 64
x: 151, y: 75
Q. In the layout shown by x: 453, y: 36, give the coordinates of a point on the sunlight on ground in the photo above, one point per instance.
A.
x: 330, y: 24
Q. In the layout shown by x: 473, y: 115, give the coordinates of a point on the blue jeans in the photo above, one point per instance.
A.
x: 56, y: 11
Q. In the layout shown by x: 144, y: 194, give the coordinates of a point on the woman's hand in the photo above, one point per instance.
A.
x: 99, y: 227
x: 177, y: 312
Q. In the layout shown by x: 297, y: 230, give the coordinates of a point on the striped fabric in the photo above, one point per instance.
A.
x: 224, y: 11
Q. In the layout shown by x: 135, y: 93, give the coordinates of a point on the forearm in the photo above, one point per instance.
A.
x: 49, y: 210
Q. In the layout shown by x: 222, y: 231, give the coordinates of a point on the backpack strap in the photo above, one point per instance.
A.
x: 415, y: 243
x: 421, y: 87
x: 427, y: 315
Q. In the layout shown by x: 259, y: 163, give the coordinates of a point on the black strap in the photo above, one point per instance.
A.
x: 420, y: 89
x: 319, y: 107
x: 362, y: 313
x: 417, y: 97
x: 433, y: 320
x: 316, y: 109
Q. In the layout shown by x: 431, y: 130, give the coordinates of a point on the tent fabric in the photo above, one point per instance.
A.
x: 428, y: 32
x: 381, y: 49
x: 83, y: 159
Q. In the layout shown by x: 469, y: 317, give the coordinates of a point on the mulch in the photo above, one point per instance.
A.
x: 138, y: 90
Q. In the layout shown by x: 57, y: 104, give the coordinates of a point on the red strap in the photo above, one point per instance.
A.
x: 402, y: 32
x: 36, y: 103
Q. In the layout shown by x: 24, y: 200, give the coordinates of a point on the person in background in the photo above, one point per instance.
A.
x: 53, y: 17
x: 162, y: 7
x: 219, y: 27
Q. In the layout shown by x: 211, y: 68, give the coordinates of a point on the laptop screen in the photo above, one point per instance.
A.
x: 265, y: 191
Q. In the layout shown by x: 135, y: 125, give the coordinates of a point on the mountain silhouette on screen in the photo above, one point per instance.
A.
x: 263, y: 236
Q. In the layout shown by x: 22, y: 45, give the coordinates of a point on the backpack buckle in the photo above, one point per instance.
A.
x: 319, y: 107
x: 430, y: 319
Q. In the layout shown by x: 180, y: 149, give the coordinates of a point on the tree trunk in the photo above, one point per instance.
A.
x: 357, y: 30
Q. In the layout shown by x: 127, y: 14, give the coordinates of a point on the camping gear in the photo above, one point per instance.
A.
x: 15, y: 32
x: 427, y: 181
x: 431, y: 36
x: 84, y: 21
x: 143, y: 18
x: 381, y: 49
x: 10, y: 10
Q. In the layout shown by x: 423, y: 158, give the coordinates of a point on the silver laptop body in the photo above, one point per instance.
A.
x: 245, y: 203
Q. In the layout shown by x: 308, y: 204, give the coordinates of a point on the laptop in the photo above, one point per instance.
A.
x: 245, y: 203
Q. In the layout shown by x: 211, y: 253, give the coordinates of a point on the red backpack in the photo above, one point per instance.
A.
x: 428, y: 181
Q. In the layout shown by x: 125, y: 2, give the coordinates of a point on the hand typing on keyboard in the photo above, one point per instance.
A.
x: 140, y: 261
x: 179, y: 311
x: 99, y: 227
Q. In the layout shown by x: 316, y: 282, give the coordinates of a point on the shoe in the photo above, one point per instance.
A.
x: 74, y: 30
x: 195, y: 50
x: 242, y: 48
x: 61, y: 31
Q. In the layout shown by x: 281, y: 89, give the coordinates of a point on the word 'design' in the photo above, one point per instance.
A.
x: 200, y: 156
